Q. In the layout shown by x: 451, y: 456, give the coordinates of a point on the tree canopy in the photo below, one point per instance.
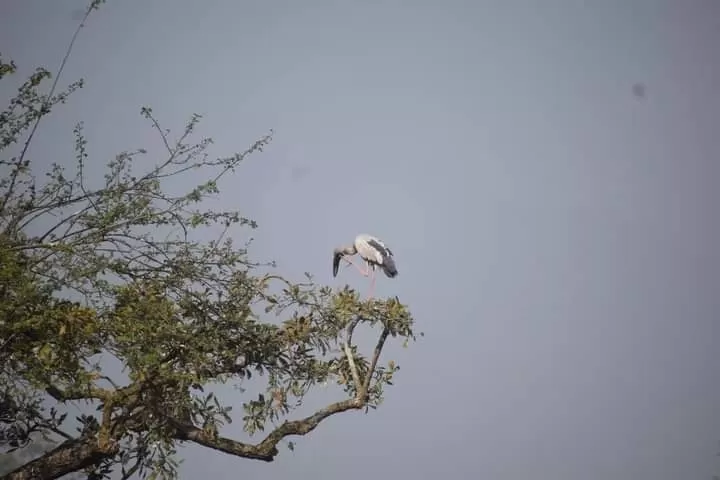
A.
x: 121, y: 269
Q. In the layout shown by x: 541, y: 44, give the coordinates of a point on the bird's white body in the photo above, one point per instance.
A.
x: 371, y: 249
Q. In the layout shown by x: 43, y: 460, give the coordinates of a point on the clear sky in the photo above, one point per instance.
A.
x: 554, y: 233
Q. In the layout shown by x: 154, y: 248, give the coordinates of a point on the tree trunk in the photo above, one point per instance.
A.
x: 68, y: 457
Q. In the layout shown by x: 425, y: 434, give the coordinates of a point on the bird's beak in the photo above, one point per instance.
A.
x: 336, y: 263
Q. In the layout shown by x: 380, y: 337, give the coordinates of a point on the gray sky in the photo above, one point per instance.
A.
x: 554, y: 233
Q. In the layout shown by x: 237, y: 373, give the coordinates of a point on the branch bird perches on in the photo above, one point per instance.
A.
x: 78, y: 453
x: 266, y: 450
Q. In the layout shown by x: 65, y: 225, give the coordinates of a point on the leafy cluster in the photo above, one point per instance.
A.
x: 121, y: 269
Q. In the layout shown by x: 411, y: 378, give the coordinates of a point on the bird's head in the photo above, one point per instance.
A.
x: 337, y: 255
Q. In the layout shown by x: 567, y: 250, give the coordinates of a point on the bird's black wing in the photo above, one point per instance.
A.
x: 384, y: 251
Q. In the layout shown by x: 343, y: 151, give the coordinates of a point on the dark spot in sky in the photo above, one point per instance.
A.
x: 638, y: 90
x: 297, y: 173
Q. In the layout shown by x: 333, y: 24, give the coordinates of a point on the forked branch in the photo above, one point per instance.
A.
x: 266, y: 450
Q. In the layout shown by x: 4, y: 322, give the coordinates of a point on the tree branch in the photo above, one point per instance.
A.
x: 349, y: 354
x: 20, y: 159
x: 91, y: 393
x: 376, y: 356
x: 267, y: 449
x: 70, y: 456
x: 353, y: 367
x: 127, y: 474
x: 59, y: 432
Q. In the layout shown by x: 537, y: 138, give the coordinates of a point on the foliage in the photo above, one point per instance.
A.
x: 121, y: 269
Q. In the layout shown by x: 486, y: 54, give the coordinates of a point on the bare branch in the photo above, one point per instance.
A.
x: 127, y: 474
x: 376, y: 356
x: 349, y: 354
x: 90, y: 393
x: 21, y: 158
x: 267, y: 449
x: 164, y: 137
x: 110, y: 381
x: 70, y: 456
x: 57, y: 431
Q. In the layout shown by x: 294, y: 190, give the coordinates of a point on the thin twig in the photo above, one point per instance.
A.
x: 61, y: 433
x: 55, y: 82
x: 7, y: 340
x: 129, y: 473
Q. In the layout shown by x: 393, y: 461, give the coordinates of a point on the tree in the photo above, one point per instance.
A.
x: 122, y: 269
x: 36, y: 447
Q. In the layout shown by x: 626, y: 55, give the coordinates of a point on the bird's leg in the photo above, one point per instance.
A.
x: 372, y: 282
x: 364, y: 273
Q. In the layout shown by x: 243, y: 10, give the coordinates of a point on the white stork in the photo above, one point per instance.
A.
x: 373, y: 251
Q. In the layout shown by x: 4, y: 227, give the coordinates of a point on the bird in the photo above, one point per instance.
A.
x: 373, y: 251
